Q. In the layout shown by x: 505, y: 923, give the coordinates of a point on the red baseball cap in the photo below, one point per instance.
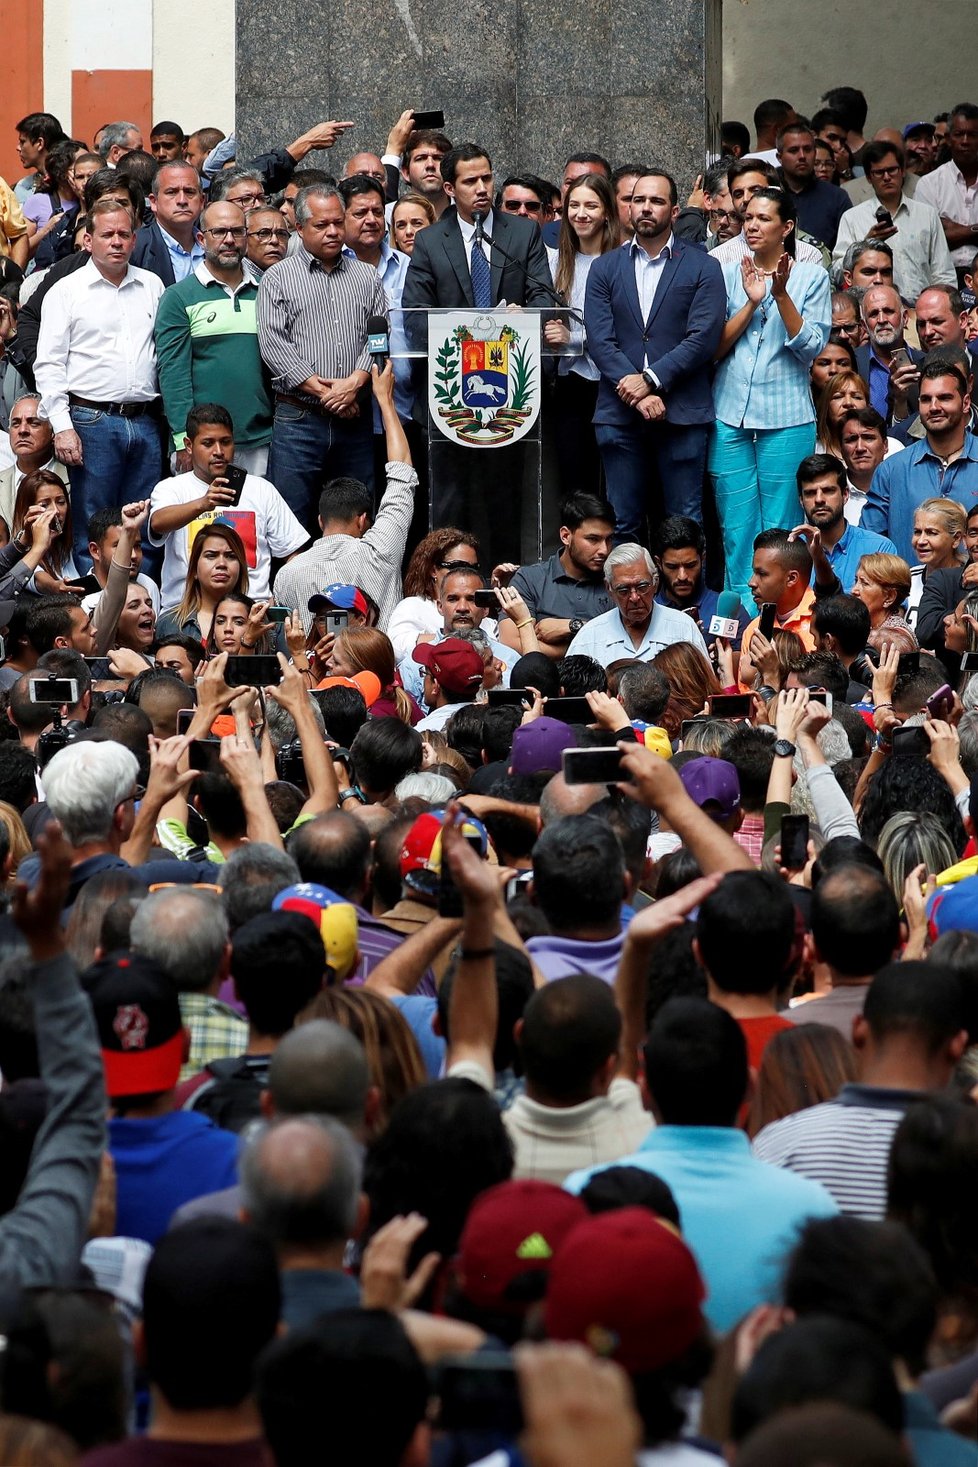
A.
x: 456, y: 664
x: 512, y: 1231
x: 626, y: 1285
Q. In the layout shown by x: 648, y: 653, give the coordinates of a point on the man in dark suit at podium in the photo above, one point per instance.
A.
x: 654, y: 312
x: 476, y: 257
x: 513, y: 268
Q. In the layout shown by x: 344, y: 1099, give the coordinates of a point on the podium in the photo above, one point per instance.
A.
x: 481, y: 381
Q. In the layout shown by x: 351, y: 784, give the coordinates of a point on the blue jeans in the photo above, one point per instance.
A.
x: 122, y: 460
x: 642, y: 457
x: 753, y: 474
x: 308, y: 450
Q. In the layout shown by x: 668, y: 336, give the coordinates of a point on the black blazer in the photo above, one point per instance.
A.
x: 152, y: 254
x: 439, y: 272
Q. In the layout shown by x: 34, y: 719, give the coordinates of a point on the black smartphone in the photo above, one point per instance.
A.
x: 205, y: 756
x: 765, y: 623
x: 794, y: 841
x: 912, y: 740
x: 969, y: 661
x: 235, y: 477
x: 478, y: 1393
x: 449, y: 897
x: 486, y: 598
x: 692, y: 611
x: 909, y: 662
x: 591, y: 766
x: 509, y: 698
x: 883, y: 216
x: 277, y: 614
x: 55, y: 690
x: 569, y: 710
x: 252, y: 672
x: 99, y: 668
x: 730, y: 705
x: 185, y: 717
x: 433, y: 119
x: 939, y: 704
x: 820, y: 695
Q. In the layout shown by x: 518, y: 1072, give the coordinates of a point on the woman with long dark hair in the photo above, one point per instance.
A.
x: 218, y: 564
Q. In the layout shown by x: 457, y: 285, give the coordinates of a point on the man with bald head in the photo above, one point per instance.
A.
x: 367, y: 163
x: 211, y: 355
x: 891, y: 368
x: 300, y: 1186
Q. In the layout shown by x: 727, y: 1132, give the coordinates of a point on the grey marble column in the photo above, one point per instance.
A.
x: 531, y: 79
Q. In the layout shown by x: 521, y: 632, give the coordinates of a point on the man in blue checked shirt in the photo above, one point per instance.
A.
x: 944, y: 463
x: 823, y: 490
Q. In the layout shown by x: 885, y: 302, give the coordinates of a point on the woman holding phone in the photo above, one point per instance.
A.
x: 779, y: 313
x: 37, y: 494
x: 365, y: 649
x: 217, y: 566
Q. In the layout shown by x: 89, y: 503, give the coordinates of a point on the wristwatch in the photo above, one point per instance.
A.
x: 648, y: 376
x: 784, y: 749
x: 575, y: 624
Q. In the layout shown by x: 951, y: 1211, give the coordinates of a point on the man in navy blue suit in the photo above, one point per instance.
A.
x: 654, y: 311
x: 168, y: 246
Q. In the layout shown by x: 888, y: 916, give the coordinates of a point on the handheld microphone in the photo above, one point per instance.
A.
x: 726, y: 622
x: 378, y: 340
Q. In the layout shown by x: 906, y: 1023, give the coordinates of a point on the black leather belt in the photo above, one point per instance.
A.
x: 308, y: 404
x: 116, y: 409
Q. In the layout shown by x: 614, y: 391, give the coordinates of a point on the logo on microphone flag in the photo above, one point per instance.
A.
x: 484, y: 377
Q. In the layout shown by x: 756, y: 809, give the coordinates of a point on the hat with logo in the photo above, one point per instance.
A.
x: 340, y: 596
x: 653, y: 737
x: 710, y: 781
x: 140, y: 1030
x: 420, y: 859
x: 627, y: 1285
x: 538, y: 745
x: 916, y: 129
x: 367, y: 683
x: 509, y: 1240
x: 335, y: 918
x: 456, y: 664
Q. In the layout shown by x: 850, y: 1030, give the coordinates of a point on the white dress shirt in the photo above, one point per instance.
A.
x: 96, y: 340
x: 468, y: 232
x: 732, y: 251
x: 920, y: 253
x: 946, y: 191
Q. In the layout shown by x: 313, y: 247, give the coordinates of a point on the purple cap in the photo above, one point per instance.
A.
x: 537, y: 746
x: 713, y: 781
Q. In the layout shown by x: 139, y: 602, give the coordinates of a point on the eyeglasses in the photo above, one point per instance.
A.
x: 723, y: 214
x: 881, y: 172
x: 267, y: 234
x: 137, y: 794
x: 244, y: 199
x: 638, y: 588
x: 457, y: 565
x: 513, y: 206
x: 236, y: 231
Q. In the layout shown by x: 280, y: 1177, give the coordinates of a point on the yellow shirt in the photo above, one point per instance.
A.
x: 13, y: 225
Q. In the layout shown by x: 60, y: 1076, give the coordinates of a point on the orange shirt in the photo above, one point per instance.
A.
x: 798, y: 621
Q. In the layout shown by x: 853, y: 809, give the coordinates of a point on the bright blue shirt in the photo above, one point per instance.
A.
x: 392, y: 269
x: 904, y: 480
x: 741, y: 1217
x: 763, y: 381
x: 845, y: 554
x: 163, y: 1162
x: 183, y: 261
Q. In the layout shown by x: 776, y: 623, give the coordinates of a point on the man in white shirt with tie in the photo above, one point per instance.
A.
x: 96, y: 371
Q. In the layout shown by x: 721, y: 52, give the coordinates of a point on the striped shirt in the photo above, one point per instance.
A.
x: 312, y: 321
x: 843, y: 1143
x: 732, y: 251
x: 763, y: 381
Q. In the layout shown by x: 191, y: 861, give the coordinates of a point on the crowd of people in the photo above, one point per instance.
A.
x: 464, y: 1012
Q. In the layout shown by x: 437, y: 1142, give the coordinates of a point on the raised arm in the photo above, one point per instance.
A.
x: 656, y: 784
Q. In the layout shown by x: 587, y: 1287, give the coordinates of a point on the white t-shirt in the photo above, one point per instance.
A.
x: 261, y: 517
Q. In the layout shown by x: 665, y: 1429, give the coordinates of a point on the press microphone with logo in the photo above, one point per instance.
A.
x: 726, y: 622
x: 378, y: 340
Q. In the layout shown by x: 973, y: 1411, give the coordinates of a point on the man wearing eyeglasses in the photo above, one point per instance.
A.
x: 207, y: 342
x: 638, y: 626
x: 912, y: 229
x: 268, y: 239
x: 169, y: 245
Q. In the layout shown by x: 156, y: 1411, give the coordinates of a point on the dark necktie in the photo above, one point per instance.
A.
x: 481, y: 279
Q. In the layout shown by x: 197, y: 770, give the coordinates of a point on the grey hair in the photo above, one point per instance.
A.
x: 627, y: 555
x: 435, y: 788
x: 909, y: 839
x: 251, y: 878
x: 709, y: 736
x: 114, y: 135
x: 185, y: 931
x: 172, y: 163
x: 227, y: 178
x: 862, y: 247
x: 320, y: 1067
x: 323, y: 191
x: 84, y: 785
x: 475, y: 636
x: 300, y: 1181
x: 968, y: 738
x: 281, y: 724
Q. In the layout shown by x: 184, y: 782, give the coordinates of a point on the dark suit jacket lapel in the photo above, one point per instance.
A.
x: 627, y: 267
x: 668, y: 272
x: 497, y: 264
x: 455, y: 250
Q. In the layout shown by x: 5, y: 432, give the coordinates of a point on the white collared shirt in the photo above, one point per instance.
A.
x: 946, y: 191
x: 732, y: 251
x: 920, y: 253
x: 204, y: 274
x: 648, y: 272
x: 468, y: 230
x: 96, y: 340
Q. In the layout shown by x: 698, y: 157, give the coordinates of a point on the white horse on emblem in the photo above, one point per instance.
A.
x: 479, y: 386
